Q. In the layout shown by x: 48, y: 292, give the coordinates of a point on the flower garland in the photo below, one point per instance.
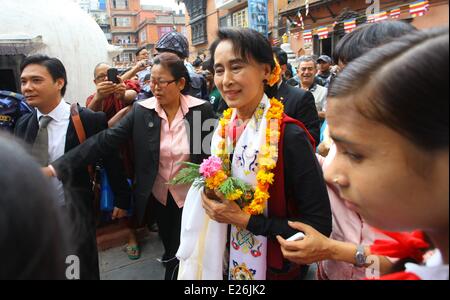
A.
x: 275, y: 75
x: 266, y: 159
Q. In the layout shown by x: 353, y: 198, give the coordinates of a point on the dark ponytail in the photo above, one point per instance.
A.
x: 403, y: 85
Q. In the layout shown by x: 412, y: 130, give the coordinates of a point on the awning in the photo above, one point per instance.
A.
x: 13, y: 44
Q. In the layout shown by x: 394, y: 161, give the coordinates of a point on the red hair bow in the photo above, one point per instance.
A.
x: 404, y: 245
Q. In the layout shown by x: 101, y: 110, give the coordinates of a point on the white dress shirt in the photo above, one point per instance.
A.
x: 320, y: 97
x: 57, y: 131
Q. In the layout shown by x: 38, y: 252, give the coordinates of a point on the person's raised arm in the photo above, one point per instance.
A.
x: 92, y: 149
x: 104, y: 89
x: 140, y: 66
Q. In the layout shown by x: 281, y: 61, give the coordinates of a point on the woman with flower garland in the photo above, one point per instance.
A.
x: 264, y: 148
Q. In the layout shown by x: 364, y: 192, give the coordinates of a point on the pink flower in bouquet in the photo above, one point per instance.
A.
x: 210, y: 166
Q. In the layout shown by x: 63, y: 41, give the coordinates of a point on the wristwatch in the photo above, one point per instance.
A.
x: 360, y: 256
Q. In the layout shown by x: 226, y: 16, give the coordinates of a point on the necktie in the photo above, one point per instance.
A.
x: 40, y: 146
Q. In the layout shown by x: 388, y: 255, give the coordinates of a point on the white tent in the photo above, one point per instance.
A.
x: 58, y: 28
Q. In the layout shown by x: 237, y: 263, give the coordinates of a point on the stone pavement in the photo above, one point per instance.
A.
x: 115, y: 264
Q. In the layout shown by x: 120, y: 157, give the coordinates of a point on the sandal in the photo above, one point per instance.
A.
x: 133, y: 252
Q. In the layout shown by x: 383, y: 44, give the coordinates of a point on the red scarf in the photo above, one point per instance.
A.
x: 405, y: 245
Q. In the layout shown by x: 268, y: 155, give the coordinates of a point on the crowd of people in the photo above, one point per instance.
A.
x: 349, y: 151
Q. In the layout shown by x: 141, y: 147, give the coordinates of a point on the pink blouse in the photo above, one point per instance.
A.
x: 174, y: 148
x: 348, y: 226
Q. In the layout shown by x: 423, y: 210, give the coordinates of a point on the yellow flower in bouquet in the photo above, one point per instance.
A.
x: 215, y: 181
x: 235, y: 195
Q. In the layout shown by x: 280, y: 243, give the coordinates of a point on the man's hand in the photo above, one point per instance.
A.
x: 104, y: 89
x: 314, y: 247
x: 119, y: 213
x: 227, y: 212
x: 47, y: 171
x: 120, y: 89
x: 141, y: 65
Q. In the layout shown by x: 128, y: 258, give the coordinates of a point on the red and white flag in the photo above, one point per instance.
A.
x: 370, y: 18
x: 395, y: 13
x: 307, y: 36
x: 349, y: 25
x: 418, y: 8
x: 322, y: 32
x: 381, y: 16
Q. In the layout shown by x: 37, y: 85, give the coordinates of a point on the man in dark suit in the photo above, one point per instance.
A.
x: 298, y: 104
x: 50, y: 132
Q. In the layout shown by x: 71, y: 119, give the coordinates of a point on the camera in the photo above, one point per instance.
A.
x: 112, y: 74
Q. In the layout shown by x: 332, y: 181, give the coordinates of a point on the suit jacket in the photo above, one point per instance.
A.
x: 143, y: 125
x: 299, y: 104
x: 78, y: 187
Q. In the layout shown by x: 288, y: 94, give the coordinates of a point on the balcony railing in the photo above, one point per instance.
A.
x: 126, y: 45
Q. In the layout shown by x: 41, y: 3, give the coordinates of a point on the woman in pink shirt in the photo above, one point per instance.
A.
x: 391, y: 163
x: 344, y: 254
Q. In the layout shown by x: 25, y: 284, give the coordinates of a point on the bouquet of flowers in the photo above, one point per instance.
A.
x: 214, y: 175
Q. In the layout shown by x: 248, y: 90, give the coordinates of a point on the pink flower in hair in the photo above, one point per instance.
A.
x: 210, y: 166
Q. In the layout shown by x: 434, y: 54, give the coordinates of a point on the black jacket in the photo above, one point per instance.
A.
x: 299, y: 104
x: 304, y: 183
x: 78, y: 187
x: 143, y: 125
x: 78, y: 184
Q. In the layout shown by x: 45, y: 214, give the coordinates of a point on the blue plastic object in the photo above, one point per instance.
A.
x: 107, y: 196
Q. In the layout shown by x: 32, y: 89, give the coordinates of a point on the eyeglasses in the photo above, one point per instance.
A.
x: 160, y: 83
x: 101, y: 77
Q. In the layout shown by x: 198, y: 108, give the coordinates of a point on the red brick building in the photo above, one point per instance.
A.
x: 204, y: 17
x: 134, y: 25
x: 326, y: 13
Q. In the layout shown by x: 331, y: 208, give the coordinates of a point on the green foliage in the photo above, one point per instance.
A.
x: 232, y: 184
x: 191, y: 175
x: 187, y: 175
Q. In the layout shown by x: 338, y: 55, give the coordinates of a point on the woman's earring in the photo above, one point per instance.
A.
x: 265, y: 81
x: 336, y: 180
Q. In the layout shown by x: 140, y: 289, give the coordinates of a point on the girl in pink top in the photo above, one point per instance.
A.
x: 392, y: 155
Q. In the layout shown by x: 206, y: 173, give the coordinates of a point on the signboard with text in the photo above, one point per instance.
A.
x: 258, y: 16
